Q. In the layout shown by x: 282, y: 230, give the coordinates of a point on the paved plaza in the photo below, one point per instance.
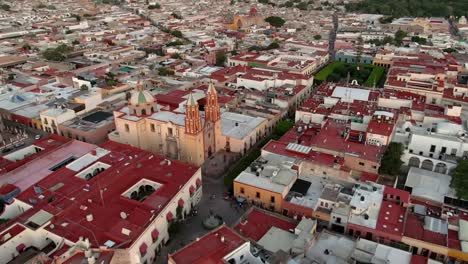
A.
x: 193, y: 227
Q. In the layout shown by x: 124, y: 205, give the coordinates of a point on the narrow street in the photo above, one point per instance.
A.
x: 332, y: 37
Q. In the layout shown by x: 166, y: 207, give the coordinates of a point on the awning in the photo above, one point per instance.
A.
x: 192, y: 190
x: 154, y: 234
x: 20, y: 247
x: 181, y: 202
x: 143, y: 248
x: 198, y: 182
x: 169, y: 216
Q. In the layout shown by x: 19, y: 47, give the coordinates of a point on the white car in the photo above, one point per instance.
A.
x: 37, y: 137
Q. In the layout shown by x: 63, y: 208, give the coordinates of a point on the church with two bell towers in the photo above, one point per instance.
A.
x: 191, y: 136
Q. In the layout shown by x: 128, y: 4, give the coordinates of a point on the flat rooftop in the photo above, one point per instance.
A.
x: 91, y: 122
x: 330, y: 248
x: 429, y: 185
x: 97, y: 117
x: 239, y: 126
x: 371, y: 252
x: 274, y: 175
x: 367, y: 201
x: 348, y: 94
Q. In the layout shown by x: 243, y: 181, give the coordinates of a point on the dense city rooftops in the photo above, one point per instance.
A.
x: 81, y: 205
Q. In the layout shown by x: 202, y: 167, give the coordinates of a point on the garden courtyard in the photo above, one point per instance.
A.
x: 365, y: 74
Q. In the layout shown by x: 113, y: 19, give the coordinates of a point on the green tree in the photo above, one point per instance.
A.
x: 176, y: 56
x: 318, y: 37
x: 414, y: 8
x: 450, y: 50
x: 275, y: 21
x: 420, y: 40
x: 175, y: 15
x: 177, y: 34
x: 155, y: 6
x: 75, y: 42
x: 302, y: 6
x: 175, y: 43
x: 26, y: 46
x: 399, y: 36
x: 281, y: 128
x: 460, y: 179
x: 53, y: 55
x: 84, y: 87
x: 273, y: 45
x: 5, y: 7
x: 76, y: 16
x: 391, y: 160
x: 220, y: 58
x: 63, y: 48
x: 165, y: 72
x: 289, y: 4
x: 110, y: 79
x: 386, y: 19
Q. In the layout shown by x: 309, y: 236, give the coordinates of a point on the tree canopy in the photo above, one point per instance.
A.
x: 415, y: 8
x: 164, y: 71
x: 5, y: 7
x: 273, y: 45
x: 391, y: 161
x: 275, y: 21
x: 177, y: 34
x: 155, y: 6
x: 220, y: 58
x: 460, y: 179
x: 399, y: 36
x: 57, y: 54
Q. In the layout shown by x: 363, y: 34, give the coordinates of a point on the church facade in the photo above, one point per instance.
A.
x: 188, y: 136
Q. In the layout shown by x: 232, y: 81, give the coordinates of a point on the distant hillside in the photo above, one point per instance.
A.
x: 414, y: 8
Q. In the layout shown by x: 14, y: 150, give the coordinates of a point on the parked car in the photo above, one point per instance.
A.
x: 17, y: 145
x: 37, y: 137
x: 6, y: 150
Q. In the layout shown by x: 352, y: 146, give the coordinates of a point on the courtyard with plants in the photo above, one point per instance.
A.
x: 365, y: 74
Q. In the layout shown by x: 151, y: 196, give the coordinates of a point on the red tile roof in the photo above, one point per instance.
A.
x: 414, y: 228
x: 405, y: 196
x: 380, y: 128
x: 391, y: 219
x: 209, y: 249
x: 417, y: 259
x: 77, y: 197
x: 13, y: 231
x: 257, y: 224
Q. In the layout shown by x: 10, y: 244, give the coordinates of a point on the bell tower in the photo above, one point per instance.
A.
x: 213, y: 121
x: 212, y: 112
x: 193, y: 121
x: 193, y: 132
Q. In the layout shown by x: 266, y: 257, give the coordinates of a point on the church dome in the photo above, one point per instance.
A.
x: 141, y: 97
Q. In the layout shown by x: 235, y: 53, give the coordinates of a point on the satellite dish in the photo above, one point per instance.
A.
x: 123, y: 215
